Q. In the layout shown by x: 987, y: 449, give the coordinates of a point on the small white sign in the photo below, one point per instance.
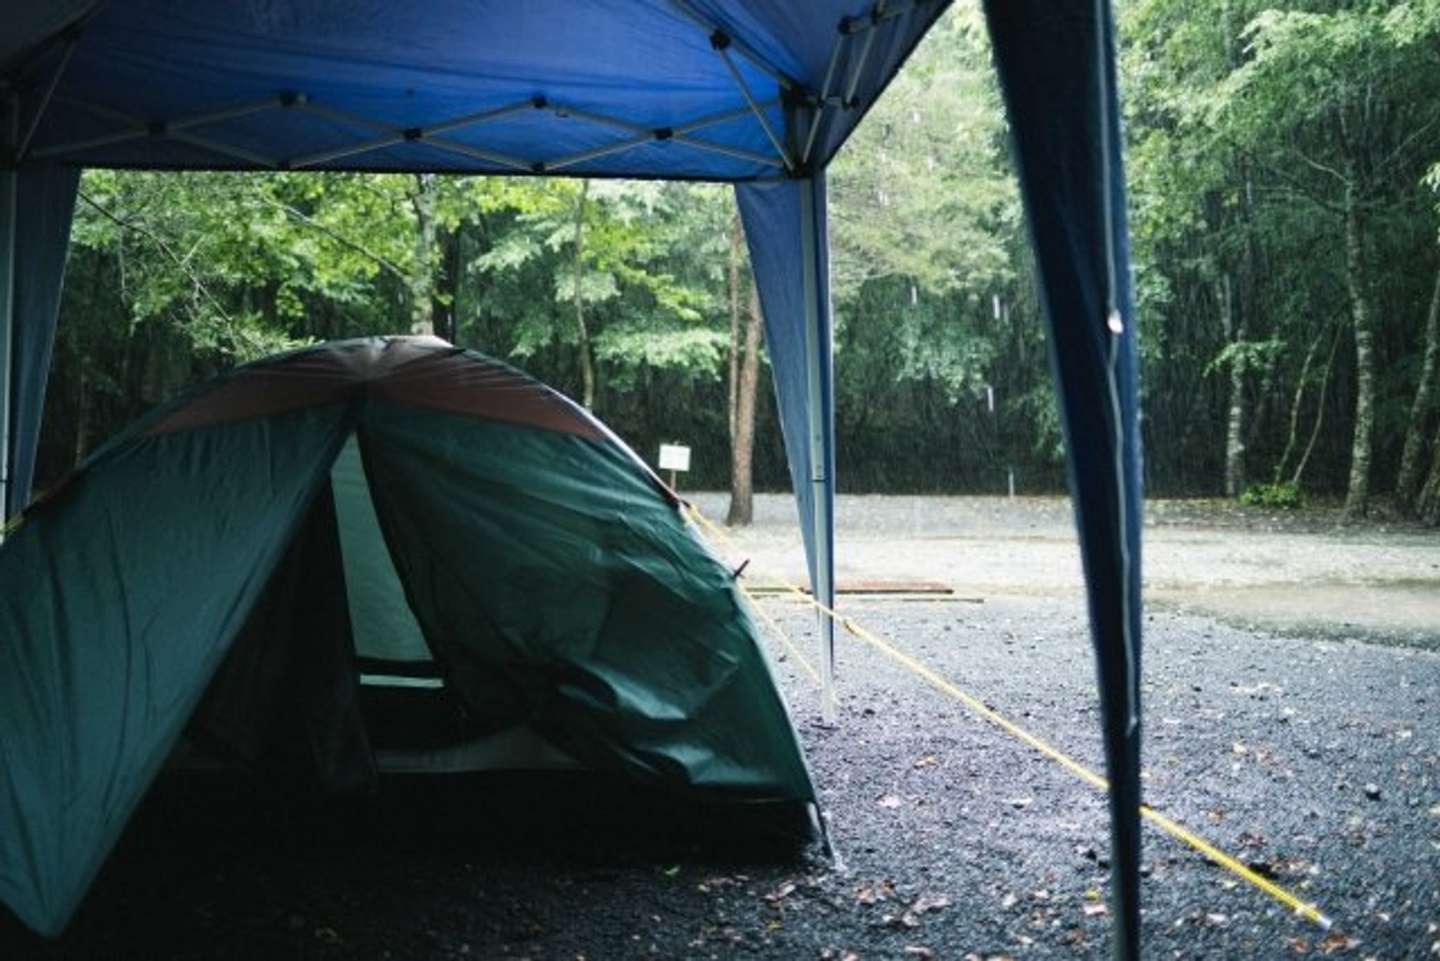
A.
x: 674, y: 457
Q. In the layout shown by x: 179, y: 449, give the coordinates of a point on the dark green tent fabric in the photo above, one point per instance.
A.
x: 192, y: 573
x: 120, y: 602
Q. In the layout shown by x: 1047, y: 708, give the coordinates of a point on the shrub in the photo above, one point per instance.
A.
x: 1283, y: 496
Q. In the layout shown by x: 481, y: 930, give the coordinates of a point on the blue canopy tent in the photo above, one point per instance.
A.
x: 758, y: 93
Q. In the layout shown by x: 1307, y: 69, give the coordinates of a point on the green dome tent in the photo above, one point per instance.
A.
x: 267, y: 564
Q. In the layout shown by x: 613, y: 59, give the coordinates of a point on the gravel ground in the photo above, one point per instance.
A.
x: 1314, y: 758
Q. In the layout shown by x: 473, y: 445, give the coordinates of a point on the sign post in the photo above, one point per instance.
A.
x: 674, y: 458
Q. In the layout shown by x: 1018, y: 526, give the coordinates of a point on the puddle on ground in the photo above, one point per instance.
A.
x: 1402, y: 611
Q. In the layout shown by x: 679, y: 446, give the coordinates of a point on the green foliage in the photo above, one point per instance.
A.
x: 1247, y: 353
x: 1286, y: 497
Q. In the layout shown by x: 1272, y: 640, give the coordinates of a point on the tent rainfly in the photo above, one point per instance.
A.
x: 758, y: 93
x: 514, y: 585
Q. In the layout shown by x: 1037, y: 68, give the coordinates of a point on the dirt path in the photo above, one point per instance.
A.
x: 1287, y: 572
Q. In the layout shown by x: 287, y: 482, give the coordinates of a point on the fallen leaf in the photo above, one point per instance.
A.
x: 923, y: 904
x: 781, y: 893
x: 1336, y: 942
x: 1095, y: 910
x: 878, y: 891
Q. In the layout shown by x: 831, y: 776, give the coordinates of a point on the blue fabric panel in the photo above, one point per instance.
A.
x: 139, y: 64
x: 773, y: 214
x: 1057, y: 71
x: 46, y: 203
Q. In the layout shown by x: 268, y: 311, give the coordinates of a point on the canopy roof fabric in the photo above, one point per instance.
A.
x: 515, y: 541
x: 712, y: 89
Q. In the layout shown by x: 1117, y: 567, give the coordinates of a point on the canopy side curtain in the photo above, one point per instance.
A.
x: 36, y: 206
x: 1057, y: 71
x: 787, y: 233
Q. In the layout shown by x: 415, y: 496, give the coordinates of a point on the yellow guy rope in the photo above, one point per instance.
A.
x: 940, y: 683
x: 785, y: 638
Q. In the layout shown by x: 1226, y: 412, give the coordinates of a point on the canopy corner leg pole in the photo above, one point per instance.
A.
x: 817, y: 357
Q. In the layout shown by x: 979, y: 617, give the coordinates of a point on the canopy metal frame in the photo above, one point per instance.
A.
x: 792, y: 154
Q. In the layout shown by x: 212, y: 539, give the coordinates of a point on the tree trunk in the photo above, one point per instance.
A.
x: 734, y: 382
x: 1295, y: 407
x: 1235, y: 422
x: 1319, y: 413
x: 1409, y: 477
x: 422, y: 271
x: 1251, y: 312
x: 587, y: 363
x: 447, y: 286
x: 742, y: 451
x: 1357, y: 497
x: 1427, y: 505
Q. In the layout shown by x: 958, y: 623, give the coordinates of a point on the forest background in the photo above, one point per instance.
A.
x: 1284, y: 169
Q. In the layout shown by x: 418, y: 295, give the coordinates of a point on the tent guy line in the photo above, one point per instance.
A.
x: 713, y: 532
x: 780, y: 632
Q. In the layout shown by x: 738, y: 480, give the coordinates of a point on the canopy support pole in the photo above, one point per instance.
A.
x: 1057, y: 71
x: 786, y: 231
x: 817, y: 355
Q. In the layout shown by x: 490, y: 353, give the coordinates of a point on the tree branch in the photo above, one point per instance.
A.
x: 1323, y: 168
x: 174, y: 258
x: 339, y: 238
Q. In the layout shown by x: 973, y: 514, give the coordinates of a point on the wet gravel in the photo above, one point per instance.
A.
x: 1317, y: 761
x: 1263, y: 744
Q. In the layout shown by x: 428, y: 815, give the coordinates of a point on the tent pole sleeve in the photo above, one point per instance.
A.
x: 1057, y: 72
x: 817, y: 357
